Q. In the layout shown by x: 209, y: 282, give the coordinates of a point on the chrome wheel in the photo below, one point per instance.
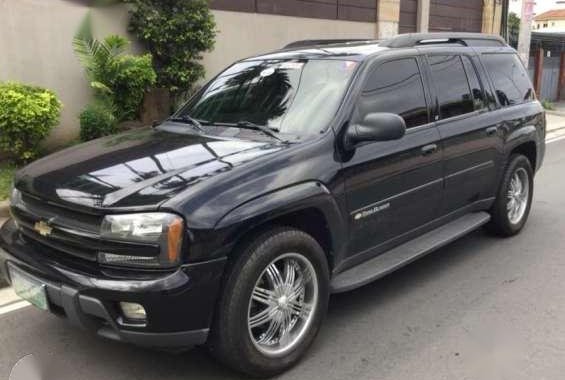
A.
x: 518, y: 196
x: 283, y: 304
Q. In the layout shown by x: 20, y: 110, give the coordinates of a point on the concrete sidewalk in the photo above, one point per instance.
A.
x: 559, y: 108
x: 556, y: 122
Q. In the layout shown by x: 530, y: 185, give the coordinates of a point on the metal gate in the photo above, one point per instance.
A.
x: 550, y: 78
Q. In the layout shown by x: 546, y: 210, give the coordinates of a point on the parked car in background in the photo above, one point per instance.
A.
x: 290, y: 176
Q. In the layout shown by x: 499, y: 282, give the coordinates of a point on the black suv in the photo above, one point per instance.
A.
x: 308, y: 171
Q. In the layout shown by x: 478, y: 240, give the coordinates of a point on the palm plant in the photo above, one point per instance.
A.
x: 119, y: 80
x: 98, y: 57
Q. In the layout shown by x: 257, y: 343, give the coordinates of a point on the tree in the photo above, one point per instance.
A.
x: 513, y: 29
x: 176, y: 32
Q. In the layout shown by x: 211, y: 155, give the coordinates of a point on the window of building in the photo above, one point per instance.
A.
x: 453, y: 91
x: 396, y: 87
x: 511, y: 82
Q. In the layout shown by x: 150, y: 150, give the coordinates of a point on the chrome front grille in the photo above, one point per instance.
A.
x: 70, y: 232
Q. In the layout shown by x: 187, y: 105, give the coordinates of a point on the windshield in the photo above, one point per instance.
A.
x: 289, y: 96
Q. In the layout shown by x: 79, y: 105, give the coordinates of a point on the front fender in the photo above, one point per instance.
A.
x: 306, y: 195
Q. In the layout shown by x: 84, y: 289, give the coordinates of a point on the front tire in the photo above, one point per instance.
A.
x: 514, y: 199
x: 275, y: 298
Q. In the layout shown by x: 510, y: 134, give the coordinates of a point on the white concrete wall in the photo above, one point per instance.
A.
x: 36, y: 45
x: 36, y: 48
x: 246, y: 34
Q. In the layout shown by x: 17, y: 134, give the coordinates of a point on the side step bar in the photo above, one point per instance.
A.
x: 406, y: 253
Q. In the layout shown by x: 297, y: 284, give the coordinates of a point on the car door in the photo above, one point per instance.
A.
x: 469, y: 135
x: 393, y: 187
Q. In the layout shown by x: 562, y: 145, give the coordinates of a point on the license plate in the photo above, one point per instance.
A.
x: 29, y: 289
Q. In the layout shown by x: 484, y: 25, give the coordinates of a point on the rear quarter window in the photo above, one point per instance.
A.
x: 509, y: 77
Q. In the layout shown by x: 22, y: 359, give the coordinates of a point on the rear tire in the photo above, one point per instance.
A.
x: 514, y: 199
x: 275, y: 298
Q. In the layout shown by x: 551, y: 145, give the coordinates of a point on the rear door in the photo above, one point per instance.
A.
x: 470, y: 139
x: 520, y: 117
x: 393, y: 187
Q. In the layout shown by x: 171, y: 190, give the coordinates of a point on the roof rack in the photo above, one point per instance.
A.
x: 422, y: 39
x: 306, y: 43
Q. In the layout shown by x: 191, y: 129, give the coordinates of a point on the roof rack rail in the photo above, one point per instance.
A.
x: 465, y: 39
x: 305, y: 43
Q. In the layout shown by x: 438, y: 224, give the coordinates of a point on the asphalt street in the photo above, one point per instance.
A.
x: 481, y: 308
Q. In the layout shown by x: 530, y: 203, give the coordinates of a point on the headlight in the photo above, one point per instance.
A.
x: 160, y: 229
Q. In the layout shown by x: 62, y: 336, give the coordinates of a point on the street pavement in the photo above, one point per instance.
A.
x: 481, y: 308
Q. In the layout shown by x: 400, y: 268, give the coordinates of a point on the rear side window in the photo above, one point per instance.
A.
x: 396, y: 87
x: 509, y: 77
x: 453, y: 92
x: 476, y: 88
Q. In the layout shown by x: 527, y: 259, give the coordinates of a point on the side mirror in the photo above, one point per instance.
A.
x: 376, y: 127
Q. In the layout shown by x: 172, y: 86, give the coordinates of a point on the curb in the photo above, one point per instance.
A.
x: 555, y: 113
x: 4, y: 209
x: 550, y: 130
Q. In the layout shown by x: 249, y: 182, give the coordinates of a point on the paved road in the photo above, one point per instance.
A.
x: 482, y: 308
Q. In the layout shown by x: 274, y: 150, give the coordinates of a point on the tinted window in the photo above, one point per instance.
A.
x: 511, y: 82
x: 476, y: 88
x: 292, y: 96
x: 396, y: 87
x: 453, y: 90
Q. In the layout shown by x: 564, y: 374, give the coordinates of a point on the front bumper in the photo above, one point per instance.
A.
x: 179, y: 305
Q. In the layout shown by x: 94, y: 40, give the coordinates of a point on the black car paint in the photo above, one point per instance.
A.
x: 226, y: 185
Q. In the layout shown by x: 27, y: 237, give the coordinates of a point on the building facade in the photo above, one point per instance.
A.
x: 36, y: 35
x: 552, y: 21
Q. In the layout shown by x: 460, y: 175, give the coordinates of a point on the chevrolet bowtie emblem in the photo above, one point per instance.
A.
x: 43, y: 228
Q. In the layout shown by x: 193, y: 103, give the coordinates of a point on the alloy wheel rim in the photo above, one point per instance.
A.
x: 282, y: 305
x: 518, y: 196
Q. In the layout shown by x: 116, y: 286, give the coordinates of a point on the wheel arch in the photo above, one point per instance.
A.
x: 528, y: 149
x: 309, y: 207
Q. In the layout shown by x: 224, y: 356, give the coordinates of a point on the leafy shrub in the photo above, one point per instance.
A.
x: 6, y: 178
x: 133, y: 76
x: 547, y: 104
x: 176, y: 32
x: 27, y: 115
x: 97, y: 120
x: 117, y: 78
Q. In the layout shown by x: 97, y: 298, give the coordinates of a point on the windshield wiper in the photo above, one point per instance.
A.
x: 188, y: 120
x: 266, y: 130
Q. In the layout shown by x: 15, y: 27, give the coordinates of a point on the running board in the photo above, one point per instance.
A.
x: 406, y: 253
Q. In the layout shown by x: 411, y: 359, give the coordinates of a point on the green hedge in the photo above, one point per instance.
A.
x: 132, y: 76
x: 97, y: 120
x: 27, y: 115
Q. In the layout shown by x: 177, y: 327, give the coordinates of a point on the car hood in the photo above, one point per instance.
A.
x: 141, y: 168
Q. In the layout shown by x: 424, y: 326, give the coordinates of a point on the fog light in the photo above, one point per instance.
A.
x: 133, y: 311
x: 127, y: 260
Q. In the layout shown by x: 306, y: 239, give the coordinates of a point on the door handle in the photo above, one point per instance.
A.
x: 491, y: 131
x: 429, y: 149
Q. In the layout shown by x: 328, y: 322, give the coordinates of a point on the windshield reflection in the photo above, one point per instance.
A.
x: 294, y: 96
